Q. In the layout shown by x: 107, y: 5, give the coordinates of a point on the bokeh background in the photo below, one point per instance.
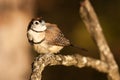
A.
x: 16, y: 54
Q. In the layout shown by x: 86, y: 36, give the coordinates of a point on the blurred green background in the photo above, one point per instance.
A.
x: 64, y: 13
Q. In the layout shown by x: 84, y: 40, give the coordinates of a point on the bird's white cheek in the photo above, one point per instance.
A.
x: 39, y: 28
x: 43, y: 28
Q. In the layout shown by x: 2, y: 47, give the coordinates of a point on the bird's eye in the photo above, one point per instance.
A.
x: 40, y: 21
x: 36, y: 22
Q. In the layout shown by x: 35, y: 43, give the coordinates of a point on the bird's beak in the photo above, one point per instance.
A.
x: 43, y: 22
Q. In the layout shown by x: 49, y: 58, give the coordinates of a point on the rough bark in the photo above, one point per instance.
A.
x: 93, y: 26
x: 105, y: 64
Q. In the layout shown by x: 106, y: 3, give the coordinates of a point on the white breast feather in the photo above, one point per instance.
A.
x: 36, y: 37
x: 43, y: 47
x: 55, y: 49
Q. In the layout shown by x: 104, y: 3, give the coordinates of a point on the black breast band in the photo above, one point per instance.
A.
x: 36, y: 31
x: 32, y: 42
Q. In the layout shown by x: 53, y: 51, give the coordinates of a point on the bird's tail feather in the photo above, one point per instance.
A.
x: 83, y: 49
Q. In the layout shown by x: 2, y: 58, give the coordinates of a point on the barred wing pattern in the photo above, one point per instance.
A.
x: 57, y: 37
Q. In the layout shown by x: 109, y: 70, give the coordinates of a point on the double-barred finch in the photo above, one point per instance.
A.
x: 46, y: 37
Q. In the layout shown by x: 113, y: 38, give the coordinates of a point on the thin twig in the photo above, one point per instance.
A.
x: 93, y: 26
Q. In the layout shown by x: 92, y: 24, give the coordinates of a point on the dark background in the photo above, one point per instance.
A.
x: 65, y: 13
x: 16, y: 54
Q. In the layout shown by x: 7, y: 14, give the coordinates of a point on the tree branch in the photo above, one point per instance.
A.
x: 93, y: 26
x: 106, y: 64
x: 69, y: 60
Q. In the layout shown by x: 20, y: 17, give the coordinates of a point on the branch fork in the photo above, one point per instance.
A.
x: 105, y: 64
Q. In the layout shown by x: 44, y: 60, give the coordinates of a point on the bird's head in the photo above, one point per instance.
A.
x: 37, y: 25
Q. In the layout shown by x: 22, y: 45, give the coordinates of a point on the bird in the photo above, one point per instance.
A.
x: 46, y: 38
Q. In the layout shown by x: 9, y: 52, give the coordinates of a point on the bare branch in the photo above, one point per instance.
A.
x: 106, y: 64
x: 93, y: 26
x: 69, y: 60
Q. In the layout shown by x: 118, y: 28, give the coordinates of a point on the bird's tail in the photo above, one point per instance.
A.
x: 83, y: 49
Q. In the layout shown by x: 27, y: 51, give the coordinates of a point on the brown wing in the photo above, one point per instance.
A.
x: 61, y: 40
x: 54, y: 36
